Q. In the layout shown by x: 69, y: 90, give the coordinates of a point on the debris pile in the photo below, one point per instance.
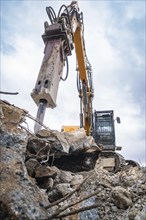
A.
x: 56, y: 175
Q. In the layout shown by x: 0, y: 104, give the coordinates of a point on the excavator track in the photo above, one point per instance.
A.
x: 115, y: 162
x: 112, y: 161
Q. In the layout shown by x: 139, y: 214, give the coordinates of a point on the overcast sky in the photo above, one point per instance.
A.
x: 115, y: 46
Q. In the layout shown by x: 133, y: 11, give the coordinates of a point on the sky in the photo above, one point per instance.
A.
x: 114, y: 32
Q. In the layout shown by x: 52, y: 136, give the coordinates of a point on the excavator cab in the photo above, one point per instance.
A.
x: 104, y: 129
x: 104, y: 134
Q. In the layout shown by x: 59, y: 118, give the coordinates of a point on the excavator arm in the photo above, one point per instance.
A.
x: 65, y: 33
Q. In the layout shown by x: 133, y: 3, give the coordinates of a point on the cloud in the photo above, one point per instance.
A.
x: 115, y: 44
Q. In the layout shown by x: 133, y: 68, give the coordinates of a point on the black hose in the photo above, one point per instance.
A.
x: 64, y: 6
x: 67, y: 71
x: 51, y: 14
x: 9, y: 93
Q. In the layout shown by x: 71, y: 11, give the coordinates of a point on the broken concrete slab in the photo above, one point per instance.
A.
x: 11, y: 116
x: 45, y: 171
x: 53, y: 147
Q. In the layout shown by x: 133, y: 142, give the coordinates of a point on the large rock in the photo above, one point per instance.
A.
x: 59, y: 191
x: 45, y: 171
x: 31, y: 166
x: 122, y: 198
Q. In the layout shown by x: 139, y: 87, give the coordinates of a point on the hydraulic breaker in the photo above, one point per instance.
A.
x: 46, y: 88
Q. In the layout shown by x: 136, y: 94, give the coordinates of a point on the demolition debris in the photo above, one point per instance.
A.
x: 57, y: 175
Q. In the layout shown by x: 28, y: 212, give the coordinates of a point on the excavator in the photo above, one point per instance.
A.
x: 63, y: 34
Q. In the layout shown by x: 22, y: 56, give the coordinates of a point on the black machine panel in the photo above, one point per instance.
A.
x: 104, y: 129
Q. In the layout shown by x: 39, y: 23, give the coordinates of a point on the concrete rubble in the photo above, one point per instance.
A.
x: 56, y: 175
